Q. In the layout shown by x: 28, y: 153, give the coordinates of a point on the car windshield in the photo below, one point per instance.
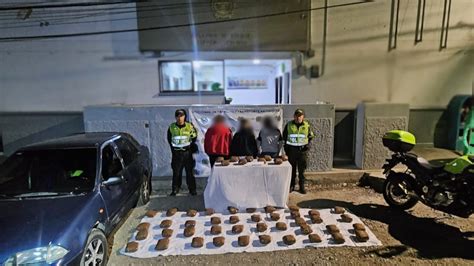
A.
x: 51, y: 172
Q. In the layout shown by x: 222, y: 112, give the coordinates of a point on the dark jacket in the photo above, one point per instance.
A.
x: 244, y: 144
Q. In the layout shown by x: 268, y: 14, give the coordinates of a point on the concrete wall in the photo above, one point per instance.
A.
x: 70, y: 73
x: 373, y: 120
x: 20, y: 129
x: 359, y: 68
x: 150, y: 123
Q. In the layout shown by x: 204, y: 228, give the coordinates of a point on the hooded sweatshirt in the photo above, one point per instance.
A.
x: 217, y: 140
x: 244, y: 143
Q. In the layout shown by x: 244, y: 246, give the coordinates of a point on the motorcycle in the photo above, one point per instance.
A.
x: 448, y: 188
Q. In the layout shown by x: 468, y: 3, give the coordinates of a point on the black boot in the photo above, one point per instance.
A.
x: 302, y: 189
x: 193, y: 192
x: 174, y: 192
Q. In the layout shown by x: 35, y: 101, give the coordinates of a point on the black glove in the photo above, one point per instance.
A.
x: 194, y: 148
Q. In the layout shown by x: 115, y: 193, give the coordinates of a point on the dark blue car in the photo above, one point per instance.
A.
x: 61, y: 199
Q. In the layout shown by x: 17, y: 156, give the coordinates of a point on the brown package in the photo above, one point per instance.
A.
x: 316, y: 219
x: 215, y: 220
x: 265, y: 239
x: 218, y: 241
x: 281, y: 226
x: 284, y: 158
x: 332, y: 228
x: 261, y: 159
x: 191, y: 213
x: 269, y: 209
x: 216, y: 229
x: 225, y: 163
x: 167, y: 232
x: 171, y: 212
x: 142, y: 234
x: 234, y: 159
x: 267, y: 158
x: 232, y: 210
x: 255, y: 218
x: 166, y: 223
x: 339, y: 210
x: 361, y: 235
x: 249, y: 158
x: 189, y: 231
x: 278, y: 161
x: 190, y: 223
x: 242, y: 162
x: 197, y: 242
x: 131, y: 247
x: 314, y: 212
x: 294, y: 208
x: 251, y: 210
x: 162, y: 244
x: 306, y: 229
x: 237, y: 229
x: 143, y: 226
x: 289, y: 239
x: 358, y: 226
x: 219, y: 159
x: 300, y: 221
x: 210, y: 211
x: 261, y: 227
x: 234, y: 219
x: 243, y: 241
x: 346, y: 218
x: 295, y: 214
x: 314, y: 238
x: 338, y: 238
x: 275, y: 216
x: 151, y: 213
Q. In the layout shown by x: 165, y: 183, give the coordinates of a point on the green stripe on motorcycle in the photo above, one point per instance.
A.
x: 458, y: 165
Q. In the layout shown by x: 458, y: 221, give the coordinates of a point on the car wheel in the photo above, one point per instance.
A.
x: 145, y: 191
x: 95, y: 252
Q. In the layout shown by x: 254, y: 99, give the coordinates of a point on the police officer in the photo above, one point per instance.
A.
x: 297, y: 135
x: 182, y: 137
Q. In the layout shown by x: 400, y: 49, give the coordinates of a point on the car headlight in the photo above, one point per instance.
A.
x: 41, y: 255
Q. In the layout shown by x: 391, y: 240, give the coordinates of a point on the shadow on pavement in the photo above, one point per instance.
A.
x: 432, y: 240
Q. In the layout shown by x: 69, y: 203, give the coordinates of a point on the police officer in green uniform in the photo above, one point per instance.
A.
x: 297, y: 135
x: 182, y: 137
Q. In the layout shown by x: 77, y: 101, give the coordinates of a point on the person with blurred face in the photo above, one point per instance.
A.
x: 297, y: 135
x: 217, y: 140
x: 243, y: 142
x: 269, y: 139
x: 181, y: 137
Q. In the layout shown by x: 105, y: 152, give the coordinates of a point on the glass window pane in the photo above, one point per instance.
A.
x: 176, y: 76
x: 208, y: 75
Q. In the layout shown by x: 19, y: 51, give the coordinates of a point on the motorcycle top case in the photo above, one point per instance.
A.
x: 399, y: 141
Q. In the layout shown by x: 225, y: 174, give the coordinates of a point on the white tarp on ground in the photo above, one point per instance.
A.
x: 202, y: 117
x: 180, y: 245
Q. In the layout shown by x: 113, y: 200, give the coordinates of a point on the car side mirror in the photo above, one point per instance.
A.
x: 112, y: 181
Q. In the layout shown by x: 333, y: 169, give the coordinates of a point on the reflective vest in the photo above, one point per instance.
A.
x: 298, y: 136
x: 182, y: 137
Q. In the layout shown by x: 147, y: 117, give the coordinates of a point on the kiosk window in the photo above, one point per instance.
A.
x: 191, y: 76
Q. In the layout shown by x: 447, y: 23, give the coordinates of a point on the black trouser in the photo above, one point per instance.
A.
x: 298, y: 160
x: 213, y: 158
x: 183, y: 159
x: 272, y: 154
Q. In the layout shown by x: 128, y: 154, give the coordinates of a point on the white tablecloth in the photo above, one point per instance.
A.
x: 254, y: 185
